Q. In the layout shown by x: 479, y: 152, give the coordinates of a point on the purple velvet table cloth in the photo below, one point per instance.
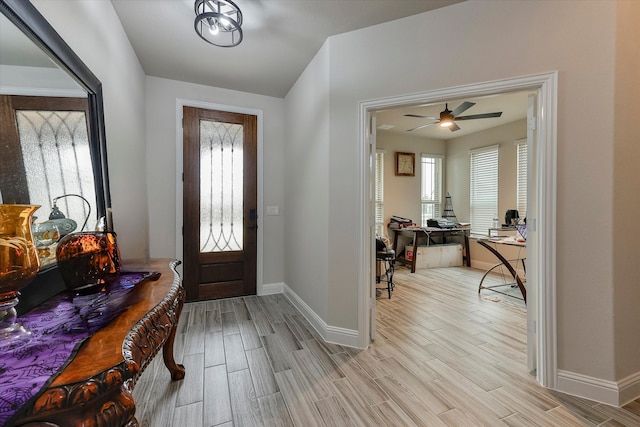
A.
x: 58, y: 328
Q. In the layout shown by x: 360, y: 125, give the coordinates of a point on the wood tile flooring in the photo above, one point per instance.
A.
x: 443, y: 356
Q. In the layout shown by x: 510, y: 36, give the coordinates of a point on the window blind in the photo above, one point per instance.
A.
x: 431, y: 187
x: 483, y: 188
x: 521, y: 198
x: 379, y: 194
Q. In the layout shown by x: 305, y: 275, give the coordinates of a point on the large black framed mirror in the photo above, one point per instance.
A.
x: 21, y: 15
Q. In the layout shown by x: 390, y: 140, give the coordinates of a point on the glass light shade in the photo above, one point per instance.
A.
x: 88, y: 260
x: 446, y: 118
x: 218, y: 22
x: 19, y: 264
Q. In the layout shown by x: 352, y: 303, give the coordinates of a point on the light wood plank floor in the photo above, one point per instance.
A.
x: 442, y: 356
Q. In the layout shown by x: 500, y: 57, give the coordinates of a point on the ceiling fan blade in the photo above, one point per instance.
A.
x: 462, y: 108
x: 454, y: 127
x: 420, y: 127
x: 421, y: 117
x: 480, y: 116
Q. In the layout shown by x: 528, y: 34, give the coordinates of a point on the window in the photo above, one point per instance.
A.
x: 52, y: 142
x: 45, y: 154
x: 379, y: 194
x: 431, y: 193
x: 484, y: 188
x: 521, y: 198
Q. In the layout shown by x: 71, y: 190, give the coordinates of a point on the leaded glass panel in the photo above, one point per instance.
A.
x: 221, y: 186
x: 55, y: 152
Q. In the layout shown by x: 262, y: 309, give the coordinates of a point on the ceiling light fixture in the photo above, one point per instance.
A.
x: 218, y: 22
x: 446, y: 118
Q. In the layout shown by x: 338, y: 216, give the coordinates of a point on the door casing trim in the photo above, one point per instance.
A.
x: 180, y: 103
x: 546, y: 175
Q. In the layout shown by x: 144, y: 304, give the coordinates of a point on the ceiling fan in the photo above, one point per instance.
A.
x: 449, y: 118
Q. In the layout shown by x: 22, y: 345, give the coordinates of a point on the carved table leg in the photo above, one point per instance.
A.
x: 176, y: 370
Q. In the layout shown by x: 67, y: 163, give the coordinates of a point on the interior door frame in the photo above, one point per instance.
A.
x: 371, y: 144
x: 542, y: 223
x: 180, y: 103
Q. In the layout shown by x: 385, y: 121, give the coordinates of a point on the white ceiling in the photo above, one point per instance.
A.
x: 512, y: 105
x: 280, y: 38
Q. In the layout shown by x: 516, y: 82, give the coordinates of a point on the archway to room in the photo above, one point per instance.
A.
x: 541, y: 219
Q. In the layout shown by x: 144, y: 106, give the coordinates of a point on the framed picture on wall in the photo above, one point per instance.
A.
x: 405, y: 164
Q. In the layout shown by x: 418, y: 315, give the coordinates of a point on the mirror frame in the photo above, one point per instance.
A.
x: 28, y: 19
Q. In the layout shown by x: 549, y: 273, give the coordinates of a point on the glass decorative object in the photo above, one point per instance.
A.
x: 88, y: 261
x: 45, y: 234
x: 19, y: 264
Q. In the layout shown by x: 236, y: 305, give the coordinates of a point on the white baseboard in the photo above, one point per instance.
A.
x: 331, y: 334
x: 629, y: 388
x: 616, y: 393
x: 481, y: 265
x: 271, y: 288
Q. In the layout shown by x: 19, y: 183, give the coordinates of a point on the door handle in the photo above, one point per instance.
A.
x: 253, y: 216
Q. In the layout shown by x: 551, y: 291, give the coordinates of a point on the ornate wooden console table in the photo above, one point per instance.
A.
x: 95, y: 388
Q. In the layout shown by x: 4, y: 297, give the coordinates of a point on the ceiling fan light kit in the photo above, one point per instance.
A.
x: 218, y: 22
x: 448, y: 118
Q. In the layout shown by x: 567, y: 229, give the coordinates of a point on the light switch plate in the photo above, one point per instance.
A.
x: 273, y: 210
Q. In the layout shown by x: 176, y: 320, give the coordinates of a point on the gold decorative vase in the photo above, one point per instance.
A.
x: 19, y: 264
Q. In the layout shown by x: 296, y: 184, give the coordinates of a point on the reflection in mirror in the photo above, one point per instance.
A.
x: 60, y: 178
x: 44, y: 134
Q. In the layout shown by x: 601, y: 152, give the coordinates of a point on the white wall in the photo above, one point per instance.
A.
x: 94, y: 32
x: 40, y: 81
x: 306, y: 157
x: 626, y: 197
x: 162, y: 157
x: 499, y: 39
x: 402, y: 193
x: 457, y: 166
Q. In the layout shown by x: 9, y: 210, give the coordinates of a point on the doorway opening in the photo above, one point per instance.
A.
x: 541, y: 322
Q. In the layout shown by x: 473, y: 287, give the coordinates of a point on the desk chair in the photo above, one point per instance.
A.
x: 387, y: 259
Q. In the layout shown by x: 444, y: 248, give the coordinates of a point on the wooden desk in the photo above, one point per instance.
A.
x: 95, y: 388
x: 491, y: 245
x: 428, y: 233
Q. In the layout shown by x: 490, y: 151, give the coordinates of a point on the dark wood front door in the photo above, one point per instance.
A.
x: 220, y: 203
